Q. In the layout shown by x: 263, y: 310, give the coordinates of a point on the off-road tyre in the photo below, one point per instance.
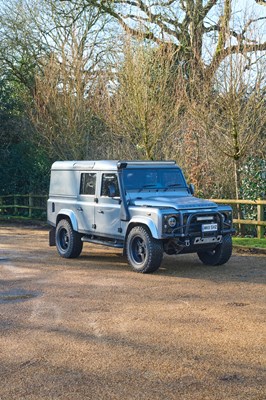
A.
x: 144, y: 253
x: 68, y: 242
x: 218, y: 256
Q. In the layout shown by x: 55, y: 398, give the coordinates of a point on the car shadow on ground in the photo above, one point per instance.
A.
x: 240, y: 268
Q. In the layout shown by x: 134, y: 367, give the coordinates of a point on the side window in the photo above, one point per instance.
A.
x: 110, y: 186
x: 87, y: 183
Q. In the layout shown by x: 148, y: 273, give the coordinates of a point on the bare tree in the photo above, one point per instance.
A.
x: 233, y: 115
x: 60, y: 113
x: 56, y: 52
x: 189, y: 25
x: 143, y: 102
x: 204, y: 36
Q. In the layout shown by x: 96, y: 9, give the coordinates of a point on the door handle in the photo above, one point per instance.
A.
x: 100, y: 211
x: 80, y: 209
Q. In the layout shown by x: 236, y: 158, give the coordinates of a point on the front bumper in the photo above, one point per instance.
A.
x: 190, y: 228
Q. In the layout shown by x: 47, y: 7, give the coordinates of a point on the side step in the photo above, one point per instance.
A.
x: 115, y: 243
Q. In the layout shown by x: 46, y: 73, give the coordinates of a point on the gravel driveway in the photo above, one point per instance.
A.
x: 90, y: 328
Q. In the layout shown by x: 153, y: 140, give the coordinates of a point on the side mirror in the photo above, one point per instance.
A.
x: 191, y: 188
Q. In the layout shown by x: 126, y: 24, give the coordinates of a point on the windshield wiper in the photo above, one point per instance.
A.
x: 173, y: 185
x: 148, y: 186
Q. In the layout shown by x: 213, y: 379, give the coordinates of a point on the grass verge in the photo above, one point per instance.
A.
x: 250, y: 242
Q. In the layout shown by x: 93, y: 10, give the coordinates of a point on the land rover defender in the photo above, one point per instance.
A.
x: 145, y: 208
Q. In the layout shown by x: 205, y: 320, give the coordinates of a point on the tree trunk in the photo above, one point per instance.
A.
x: 237, y: 191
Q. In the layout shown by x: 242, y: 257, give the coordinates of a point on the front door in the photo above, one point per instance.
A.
x: 107, y: 207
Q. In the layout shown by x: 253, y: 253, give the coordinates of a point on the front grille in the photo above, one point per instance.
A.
x: 195, y: 224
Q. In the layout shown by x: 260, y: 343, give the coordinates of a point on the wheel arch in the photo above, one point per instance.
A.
x: 143, y: 221
x: 70, y: 216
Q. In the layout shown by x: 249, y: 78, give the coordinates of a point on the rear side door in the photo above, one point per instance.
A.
x: 107, y: 207
x: 86, y: 201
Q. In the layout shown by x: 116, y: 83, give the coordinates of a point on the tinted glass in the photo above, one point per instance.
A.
x: 110, y: 185
x: 152, y: 178
x: 88, y: 183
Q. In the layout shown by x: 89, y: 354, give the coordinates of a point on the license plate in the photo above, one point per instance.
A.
x: 209, y: 227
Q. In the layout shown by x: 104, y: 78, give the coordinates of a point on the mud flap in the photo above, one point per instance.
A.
x: 52, y: 237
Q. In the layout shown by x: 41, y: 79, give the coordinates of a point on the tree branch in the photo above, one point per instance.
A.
x: 209, y: 6
x: 242, y: 49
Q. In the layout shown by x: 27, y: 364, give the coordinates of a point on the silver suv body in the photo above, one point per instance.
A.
x: 143, y: 207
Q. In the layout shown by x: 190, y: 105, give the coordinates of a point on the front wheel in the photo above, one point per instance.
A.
x: 144, y: 253
x: 68, y: 241
x: 218, y: 256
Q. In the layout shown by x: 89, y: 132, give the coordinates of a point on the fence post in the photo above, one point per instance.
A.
x: 30, y: 204
x: 260, y: 218
x: 15, y: 205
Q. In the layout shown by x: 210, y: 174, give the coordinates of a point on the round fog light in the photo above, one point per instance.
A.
x: 172, y: 222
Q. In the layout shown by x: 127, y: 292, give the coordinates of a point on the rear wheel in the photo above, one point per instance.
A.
x: 218, y: 256
x: 68, y: 241
x: 144, y: 253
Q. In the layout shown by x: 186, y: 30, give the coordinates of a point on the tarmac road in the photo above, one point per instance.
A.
x: 90, y: 328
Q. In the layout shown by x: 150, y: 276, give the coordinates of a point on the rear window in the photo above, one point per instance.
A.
x: 87, y: 183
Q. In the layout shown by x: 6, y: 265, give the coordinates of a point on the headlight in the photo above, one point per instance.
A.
x: 172, y: 222
x: 227, y: 217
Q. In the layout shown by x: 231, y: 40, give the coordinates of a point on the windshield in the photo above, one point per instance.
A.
x: 138, y: 179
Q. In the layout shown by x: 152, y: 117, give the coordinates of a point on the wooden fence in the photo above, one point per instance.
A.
x: 260, y: 223
x: 16, y: 203
x: 31, y: 203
